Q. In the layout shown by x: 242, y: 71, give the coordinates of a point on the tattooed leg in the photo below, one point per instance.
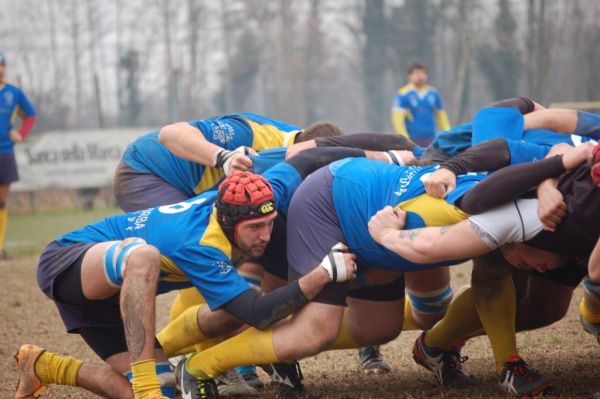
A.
x: 138, y: 295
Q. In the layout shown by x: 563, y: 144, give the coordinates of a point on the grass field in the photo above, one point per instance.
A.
x: 569, y: 357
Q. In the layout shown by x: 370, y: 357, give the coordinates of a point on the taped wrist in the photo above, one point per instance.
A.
x: 335, y: 265
x: 223, y: 158
x: 394, y: 157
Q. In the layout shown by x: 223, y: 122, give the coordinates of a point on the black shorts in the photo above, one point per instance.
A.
x: 336, y: 293
x: 8, y: 169
x: 105, y: 340
x: 569, y: 275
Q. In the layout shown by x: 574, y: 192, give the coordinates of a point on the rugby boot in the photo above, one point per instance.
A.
x: 29, y: 385
x: 231, y: 383
x: 371, y: 361
x: 193, y: 387
x: 518, y: 378
x: 446, y: 366
x: 288, y: 377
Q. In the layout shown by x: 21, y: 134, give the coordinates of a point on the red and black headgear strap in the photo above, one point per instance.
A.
x: 243, y: 196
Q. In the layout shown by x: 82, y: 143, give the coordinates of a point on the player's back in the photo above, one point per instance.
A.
x: 362, y: 187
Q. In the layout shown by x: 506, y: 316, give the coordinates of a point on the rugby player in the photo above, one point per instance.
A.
x: 13, y: 104
x: 184, y: 159
x: 104, y: 278
x: 495, y: 303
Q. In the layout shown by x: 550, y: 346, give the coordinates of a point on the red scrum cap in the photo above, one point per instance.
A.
x: 243, y: 196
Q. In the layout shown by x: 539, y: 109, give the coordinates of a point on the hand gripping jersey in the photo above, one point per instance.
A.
x: 13, y: 103
x: 147, y: 155
x: 194, y: 249
x: 362, y: 187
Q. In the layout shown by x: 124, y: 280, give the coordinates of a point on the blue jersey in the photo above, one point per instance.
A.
x: 194, y: 249
x: 362, y: 187
x: 148, y: 155
x: 420, y: 107
x: 13, y: 103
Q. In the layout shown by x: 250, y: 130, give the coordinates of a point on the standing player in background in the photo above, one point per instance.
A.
x: 418, y: 112
x: 13, y: 103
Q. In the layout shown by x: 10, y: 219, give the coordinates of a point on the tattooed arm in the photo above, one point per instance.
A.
x: 429, y: 244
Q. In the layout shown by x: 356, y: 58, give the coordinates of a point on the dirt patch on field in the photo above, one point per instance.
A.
x: 569, y: 357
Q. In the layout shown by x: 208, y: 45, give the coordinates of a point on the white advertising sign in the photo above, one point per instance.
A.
x: 71, y: 159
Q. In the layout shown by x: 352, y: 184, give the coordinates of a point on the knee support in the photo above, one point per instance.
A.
x: 592, y: 288
x: 431, y: 302
x: 115, y: 259
x: 165, y: 376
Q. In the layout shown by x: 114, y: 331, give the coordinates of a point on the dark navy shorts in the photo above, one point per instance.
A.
x: 312, y: 229
x: 55, y: 263
x: 8, y: 169
x: 136, y: 190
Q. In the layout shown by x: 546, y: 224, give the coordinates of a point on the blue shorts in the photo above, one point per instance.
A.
x: 312, y: 229
x: 136, y: 190
x: 8, y: 169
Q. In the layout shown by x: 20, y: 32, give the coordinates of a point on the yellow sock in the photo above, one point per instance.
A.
x: 496, y: 303
x: 409, y: 324
x: 185, y: 299
x: 460, y: 323
x: 145, y: 380
x: 3, y: 220
x: 344, y: 340
x: 55, y: 369
x: 208, y: 344
x: 182, y: 332
x: 249, y: 347
x: 587, y: 313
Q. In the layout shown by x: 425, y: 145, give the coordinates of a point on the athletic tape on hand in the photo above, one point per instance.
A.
x: 224, y: 158
x: 395, y: 157
x: 335, y: 264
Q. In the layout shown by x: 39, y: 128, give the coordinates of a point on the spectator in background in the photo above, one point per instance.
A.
x: 418, y: 112
x: 13, y: 104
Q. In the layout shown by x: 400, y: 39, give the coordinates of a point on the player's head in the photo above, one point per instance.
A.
x: 246, y: 211
x: 2, y: 65
x: 318, y: 129
x: 417, y: 74
x: 595, y: 168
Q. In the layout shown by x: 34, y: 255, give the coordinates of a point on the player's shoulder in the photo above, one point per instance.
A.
x: 407, y: 88
x: 432, y: 89
x: 12, y: 87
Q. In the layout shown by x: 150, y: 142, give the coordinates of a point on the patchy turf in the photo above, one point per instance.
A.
x: 568, y: 356
x: 28, y: 234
